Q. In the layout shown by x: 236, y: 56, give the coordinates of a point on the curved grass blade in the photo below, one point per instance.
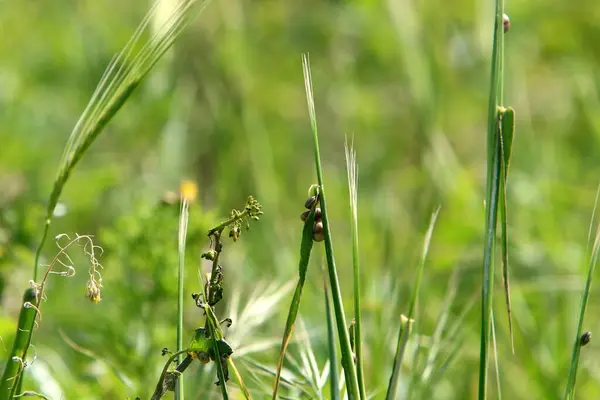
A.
x: 239, y: 379
x: 595, y: 256
x: 506, y: 130
x: 14, y: 367
x: 340, y: 317
x: 406, y: 322
x: 493, y: 182
x: 305, y: 249
x: 122, y: 76
x: 352, y: 169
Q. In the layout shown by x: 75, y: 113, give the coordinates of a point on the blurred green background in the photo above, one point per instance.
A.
x: 408, y: 81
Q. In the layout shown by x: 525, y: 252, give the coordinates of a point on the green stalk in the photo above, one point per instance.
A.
x: 183, y: 224
x: 570, y: 389
x: 239, y: 379
x: 333, y: 358
x: 492, y: 196
x: 352, y: 169
x: 14, y: 368
x: 344, y: 337
x: 407, y: 322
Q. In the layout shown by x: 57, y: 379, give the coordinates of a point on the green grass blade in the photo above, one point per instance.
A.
x: 352, y: 169
x: 570, y: 389
x: 239, y: 379
x: 508, y: 134
x: 340, y: 317
x: 183, y: 224
x: 406, y: 323
x: 506, y: 131
x: 496, y: 363
x: 122, y: 76
x: 305, y: 249
x: 493, y: 182
x: 333, y: 357
x: 14, y: 367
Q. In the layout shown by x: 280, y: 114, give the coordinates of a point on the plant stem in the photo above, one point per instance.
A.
x: 228, y: 222
x: 492, y: 196
x: 183, y: 222
x: 344, y: 337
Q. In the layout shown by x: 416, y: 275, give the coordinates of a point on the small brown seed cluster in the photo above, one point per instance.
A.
x: 311, y: 202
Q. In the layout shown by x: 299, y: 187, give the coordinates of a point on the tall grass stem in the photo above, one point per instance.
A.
x: 342, y: 327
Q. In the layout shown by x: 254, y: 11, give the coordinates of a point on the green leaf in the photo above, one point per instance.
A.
x: 506, y: 130
x: 305, y: 249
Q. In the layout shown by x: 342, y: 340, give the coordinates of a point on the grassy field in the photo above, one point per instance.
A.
x: 224, y: 111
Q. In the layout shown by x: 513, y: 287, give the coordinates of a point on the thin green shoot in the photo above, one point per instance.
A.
x: 183, y: 224
x: 344, y: 337
x: 305, y: 249
x: 352, y: 170
x: 238, y: 378
x: 492, y: 195
x: 506, y: 130
x: 593, y: 260
x: 496, y: 363
x: 334, y: 383
x: 406, y: 322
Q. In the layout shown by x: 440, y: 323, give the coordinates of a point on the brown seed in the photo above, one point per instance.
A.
x: 310, y: 202
x: 318, y: 234
x: 318, y: 237
x: 304, y: 215
x: 506, y: 23
x: 318, y: 213
x: 318, y: 227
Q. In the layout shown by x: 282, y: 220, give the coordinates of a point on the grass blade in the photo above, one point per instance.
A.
x: 239, y: 379
x: 305, y: 249
x: 493, y: 182
x: 506, y: 130
x: 344, y: 338
x: 570, y: 389
x: 183, y: 223
x: 496, y: 364
x: 333, y: 358
x: 352, y: 169
x: 406, y: 322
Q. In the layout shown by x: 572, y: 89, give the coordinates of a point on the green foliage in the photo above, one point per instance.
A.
x: 408, y: 81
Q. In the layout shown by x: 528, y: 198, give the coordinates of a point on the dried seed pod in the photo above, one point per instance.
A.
x: 505, y: 23
x: 304, y: 215
x: 318, y: 234
x: 310, y: 202
x: 585, y: 338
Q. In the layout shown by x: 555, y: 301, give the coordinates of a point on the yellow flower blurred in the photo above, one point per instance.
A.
x: 188, y: 190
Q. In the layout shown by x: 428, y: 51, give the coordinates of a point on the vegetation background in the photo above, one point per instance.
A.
x: 226, y: 109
